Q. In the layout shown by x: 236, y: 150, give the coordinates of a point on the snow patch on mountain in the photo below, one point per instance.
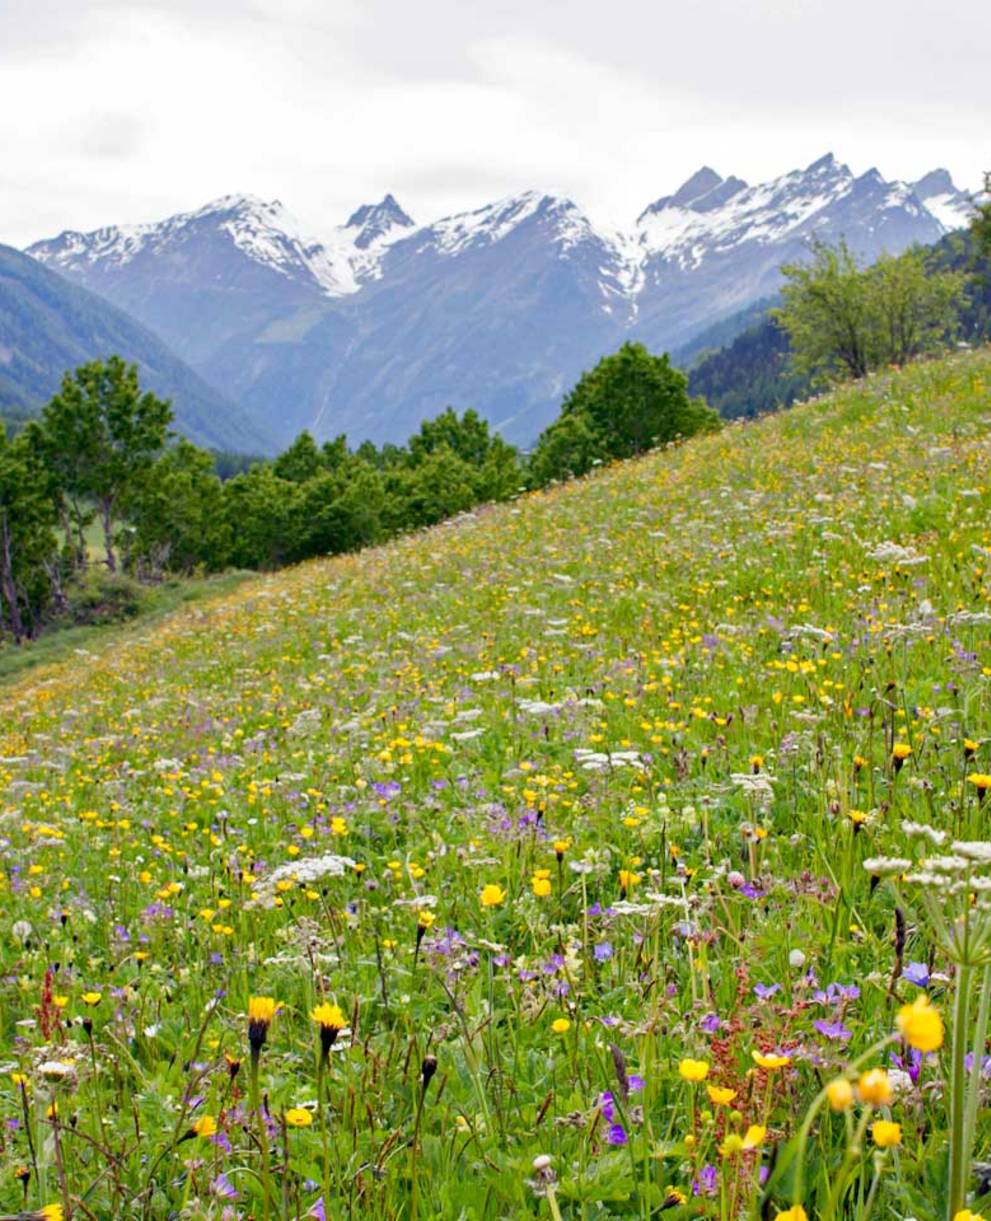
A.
x: 263, y: 230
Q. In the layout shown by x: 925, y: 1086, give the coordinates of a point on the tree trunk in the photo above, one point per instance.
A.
x: 7, y: 585
x: 106, y: 508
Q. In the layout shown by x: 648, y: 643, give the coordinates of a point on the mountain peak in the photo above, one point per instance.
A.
x: 701, y: 183
x: 376, y: 220
x: 703, y: 192
x: 936, y: 182
x: 826, y: 162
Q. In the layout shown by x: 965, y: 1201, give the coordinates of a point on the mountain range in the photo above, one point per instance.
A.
x: 382, y: 322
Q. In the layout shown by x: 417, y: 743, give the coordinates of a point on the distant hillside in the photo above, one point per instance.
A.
x: 753, y: 373
x: 48, y: 325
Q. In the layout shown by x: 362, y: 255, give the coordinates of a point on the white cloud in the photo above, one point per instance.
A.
x: 114, y: 111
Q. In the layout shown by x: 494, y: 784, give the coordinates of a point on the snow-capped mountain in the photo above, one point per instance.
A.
x: 378, y: 323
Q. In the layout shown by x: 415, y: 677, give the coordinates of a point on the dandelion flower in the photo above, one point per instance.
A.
x: 331, y: 1020
x: 981, y: 781
x: 206, y: 1125
x: 261, y: 1011
x: 921, y: 1025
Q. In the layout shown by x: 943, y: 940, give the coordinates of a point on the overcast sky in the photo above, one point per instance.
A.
x: 129, y: 110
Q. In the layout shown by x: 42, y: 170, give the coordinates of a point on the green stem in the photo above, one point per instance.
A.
x: 959, y: 1154
x: 324, y: 1129
x: 262, y: 1139
x: 806, y: 1128
x: 974, y: 1083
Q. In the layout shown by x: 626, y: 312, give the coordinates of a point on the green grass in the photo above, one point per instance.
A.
x: 653, y: 718
x: 60, y: 644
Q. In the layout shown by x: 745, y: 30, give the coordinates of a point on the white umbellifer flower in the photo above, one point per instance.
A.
x: 305, y: 723
x: 304, y: 871
x: 973, y: 850
x: 934, y: 881
x: 537, y: 707
x: 892, y: 553
x: 945, y: 864
x: 885, y: 865
x: 936, y: 838
x: 759, y: 784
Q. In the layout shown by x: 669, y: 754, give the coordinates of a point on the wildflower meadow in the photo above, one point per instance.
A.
x: 618, y: 851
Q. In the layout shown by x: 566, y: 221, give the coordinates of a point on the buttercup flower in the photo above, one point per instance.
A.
x: 693, y: 1070
x: 720, y: 1095
x: 492, y: 895
x: 874, y: 1088
x: 839, y: 1094
x: 770, y: 1060
x: 886, y: 1134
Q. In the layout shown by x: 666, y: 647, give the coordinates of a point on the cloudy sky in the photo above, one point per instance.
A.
x: 128, y: 110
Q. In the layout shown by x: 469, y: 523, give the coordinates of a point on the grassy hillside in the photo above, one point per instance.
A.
x: 570, y: 799
x: 48, y: 326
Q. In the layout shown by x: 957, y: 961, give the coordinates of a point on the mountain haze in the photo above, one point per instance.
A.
x: 383, y: 322
x: 48, y: 326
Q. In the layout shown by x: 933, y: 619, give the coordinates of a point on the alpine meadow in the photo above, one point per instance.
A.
x: 615, y: 851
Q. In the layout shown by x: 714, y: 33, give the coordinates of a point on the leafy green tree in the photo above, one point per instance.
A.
x: 827, y: 312
x: 916, y: 308
x: 341, y: 510
x: 28, y: 547
x: 630, y: 402
x: 262, y: 512
x: 175, y: 514
x: 845, y: 319
x: 438, y: 487
x: 99, y: 435
x: 981, y: 224
x: 467, y: 436
x: 566, y: 450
